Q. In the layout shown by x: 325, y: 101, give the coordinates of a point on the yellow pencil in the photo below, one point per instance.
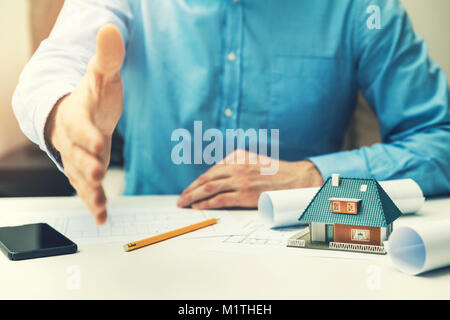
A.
x: 167, y: 235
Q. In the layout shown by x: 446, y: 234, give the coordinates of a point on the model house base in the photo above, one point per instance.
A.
x: 303, y: 240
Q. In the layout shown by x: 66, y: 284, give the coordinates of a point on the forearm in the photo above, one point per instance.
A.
x: 410, y: 96
x: 424, y: 157
x: 61, y: 61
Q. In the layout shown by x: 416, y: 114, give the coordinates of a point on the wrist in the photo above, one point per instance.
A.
x: 50, y: 135
x: 315, y: 177
x: 308, y: 175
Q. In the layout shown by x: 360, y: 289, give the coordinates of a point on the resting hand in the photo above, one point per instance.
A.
x: 240, y: 183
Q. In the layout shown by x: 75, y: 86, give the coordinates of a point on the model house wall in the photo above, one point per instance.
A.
x: 317, y: 231
x: 386, y: 232
x: 322, y: 232
x: 349, y: 234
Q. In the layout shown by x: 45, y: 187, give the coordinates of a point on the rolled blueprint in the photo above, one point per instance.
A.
x: 421, y: 248
x: 283, y: 208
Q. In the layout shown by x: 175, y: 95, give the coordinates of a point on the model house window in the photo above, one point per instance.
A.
x: 351, y: 207
x: 344, y: 205
x: 360, y: 235
x: 336, y: 206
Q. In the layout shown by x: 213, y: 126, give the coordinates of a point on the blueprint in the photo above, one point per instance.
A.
x: 127, y: 225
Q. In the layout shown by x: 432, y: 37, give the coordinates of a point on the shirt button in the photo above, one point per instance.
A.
x: 231, y: 56
x: 228, y: 112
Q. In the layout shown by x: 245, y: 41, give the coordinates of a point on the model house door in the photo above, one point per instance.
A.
x: 329, y: 232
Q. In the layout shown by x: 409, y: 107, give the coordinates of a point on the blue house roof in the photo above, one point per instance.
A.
x: 376, y: 209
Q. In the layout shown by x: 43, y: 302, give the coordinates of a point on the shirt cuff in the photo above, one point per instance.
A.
x: 350, y: 164
x: 48, y: 99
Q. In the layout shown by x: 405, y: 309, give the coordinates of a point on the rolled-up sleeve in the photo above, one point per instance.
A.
x: 410, y: 95
x: 61, y: 61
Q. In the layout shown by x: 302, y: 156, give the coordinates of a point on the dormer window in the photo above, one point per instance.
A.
x: 336, y: 206
x: 351, y: 207
x: 344, y: 205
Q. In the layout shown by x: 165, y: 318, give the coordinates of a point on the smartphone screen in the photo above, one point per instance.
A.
x: 34, y: 240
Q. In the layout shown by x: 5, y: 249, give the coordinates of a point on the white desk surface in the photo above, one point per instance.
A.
x: 182, y: 269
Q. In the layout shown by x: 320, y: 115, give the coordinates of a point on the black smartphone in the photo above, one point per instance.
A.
x: 34, y: 241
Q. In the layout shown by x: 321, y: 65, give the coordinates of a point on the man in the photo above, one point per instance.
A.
x: 154, y: 67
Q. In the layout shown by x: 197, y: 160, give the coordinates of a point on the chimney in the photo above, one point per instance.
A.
x: 335, y: 179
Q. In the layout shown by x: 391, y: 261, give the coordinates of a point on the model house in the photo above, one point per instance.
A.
x: 350, y: 214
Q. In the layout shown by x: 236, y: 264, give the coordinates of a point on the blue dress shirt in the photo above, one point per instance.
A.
x: 292, y: 65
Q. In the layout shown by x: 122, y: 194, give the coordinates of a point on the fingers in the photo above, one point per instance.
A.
x: 218, y: 179
x: 205, y: 191
x: 214, y: 173
x: 90, y: 167
x: 84, y: 134
x: 221, y: 169
x: 221, y: 200
x: 92, y: 194
x: 227, y: 184
x: 85, y: 172
x: 110, y: 51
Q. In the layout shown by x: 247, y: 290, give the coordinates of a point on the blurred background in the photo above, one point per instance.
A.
x: 26, y: 171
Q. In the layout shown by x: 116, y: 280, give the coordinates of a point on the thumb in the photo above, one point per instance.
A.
x: 110, y: 51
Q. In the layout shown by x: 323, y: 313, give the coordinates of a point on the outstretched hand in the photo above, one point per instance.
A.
x: 81, y: 124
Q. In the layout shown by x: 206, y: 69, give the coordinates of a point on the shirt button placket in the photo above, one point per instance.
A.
x: 233, y: 36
